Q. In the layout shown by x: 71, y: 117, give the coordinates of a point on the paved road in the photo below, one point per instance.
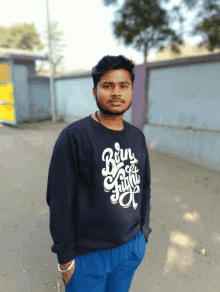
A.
x: 185, y: 218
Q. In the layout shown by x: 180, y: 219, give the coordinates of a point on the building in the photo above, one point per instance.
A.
x: 15, y: 68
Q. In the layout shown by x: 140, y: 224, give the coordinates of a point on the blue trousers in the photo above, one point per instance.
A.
x: 109, y: 270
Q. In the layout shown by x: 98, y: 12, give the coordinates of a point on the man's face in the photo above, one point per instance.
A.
x: 110, y: 88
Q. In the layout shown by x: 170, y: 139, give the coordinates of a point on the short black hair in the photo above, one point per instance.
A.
x: 111, y: 63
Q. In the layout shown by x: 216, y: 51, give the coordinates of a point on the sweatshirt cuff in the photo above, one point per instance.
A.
x: 146, y: 231
x: 66, y: 256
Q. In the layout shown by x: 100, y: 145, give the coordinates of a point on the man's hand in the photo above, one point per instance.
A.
x: 67, y: 275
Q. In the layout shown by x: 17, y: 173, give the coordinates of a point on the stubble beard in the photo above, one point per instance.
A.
x: 109, y: 113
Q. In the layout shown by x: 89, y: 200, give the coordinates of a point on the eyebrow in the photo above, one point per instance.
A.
x: 122, y: 82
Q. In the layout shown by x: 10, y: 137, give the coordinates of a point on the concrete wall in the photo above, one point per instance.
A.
x: 30, y: 64
x: 39, y: 98
x: 185, y: 96
x: 27, y: 103
x: 32, y: 95
x: 182, y: 97
x: 200, y: 147
x: 21, y: 92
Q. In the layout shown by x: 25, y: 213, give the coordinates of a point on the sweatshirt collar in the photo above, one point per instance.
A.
x: 110, y: 130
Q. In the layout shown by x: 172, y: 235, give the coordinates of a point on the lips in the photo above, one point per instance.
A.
x: 116, y: 102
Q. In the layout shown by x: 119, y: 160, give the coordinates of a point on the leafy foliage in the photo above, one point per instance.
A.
x: 24, y: 36
x: 209, y: 26
x: 143, y: 23
x: 20, y: 36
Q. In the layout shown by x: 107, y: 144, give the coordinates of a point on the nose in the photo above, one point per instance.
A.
x: 115, y: 93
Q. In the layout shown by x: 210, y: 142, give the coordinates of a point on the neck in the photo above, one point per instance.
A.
x: 110, y: 121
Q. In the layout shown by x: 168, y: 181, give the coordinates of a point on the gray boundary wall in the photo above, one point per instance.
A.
x: 183, y: 103
x: 183, y: 110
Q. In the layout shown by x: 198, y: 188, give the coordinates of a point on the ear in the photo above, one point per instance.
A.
x: 94, y: 92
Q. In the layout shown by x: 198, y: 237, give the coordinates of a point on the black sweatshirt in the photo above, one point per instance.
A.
x: 98, y: 188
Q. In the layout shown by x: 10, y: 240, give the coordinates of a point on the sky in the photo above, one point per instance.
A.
x: 87, y: 28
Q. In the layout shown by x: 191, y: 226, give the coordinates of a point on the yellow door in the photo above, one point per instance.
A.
x: 7, y: 109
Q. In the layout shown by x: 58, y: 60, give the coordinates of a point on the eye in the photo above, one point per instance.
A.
x: 123, y: 86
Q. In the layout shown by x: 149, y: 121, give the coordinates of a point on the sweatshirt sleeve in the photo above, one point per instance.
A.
x: 60, y: 193
x: 146, y: 195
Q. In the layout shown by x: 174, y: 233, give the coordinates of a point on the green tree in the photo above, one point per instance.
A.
x: 58, y: 46
x: 207, y: 24
x: 144, y: 25
x: 22, y: 36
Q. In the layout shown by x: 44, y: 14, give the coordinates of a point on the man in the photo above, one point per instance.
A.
x: 99, y: 188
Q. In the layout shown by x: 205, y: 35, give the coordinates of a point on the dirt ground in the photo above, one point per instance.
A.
x: 185, y: 219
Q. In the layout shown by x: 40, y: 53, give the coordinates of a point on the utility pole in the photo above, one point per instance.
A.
x: 52, y: 96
